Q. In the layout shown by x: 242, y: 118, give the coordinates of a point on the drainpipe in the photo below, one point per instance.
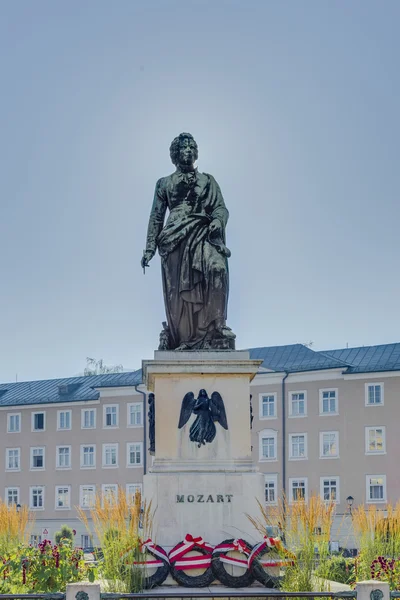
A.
x: 144, y: 427
x: 284, y: 433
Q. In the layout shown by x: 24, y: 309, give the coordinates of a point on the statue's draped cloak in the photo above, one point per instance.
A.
x: 194, y: 265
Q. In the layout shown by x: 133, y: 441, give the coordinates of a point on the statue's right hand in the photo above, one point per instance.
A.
x: 146, y: 258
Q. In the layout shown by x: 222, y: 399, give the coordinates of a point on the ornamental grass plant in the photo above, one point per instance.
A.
x: 15, y: 526
x: 120, y: 525
x: 305, y: 530
x: 378, y: 535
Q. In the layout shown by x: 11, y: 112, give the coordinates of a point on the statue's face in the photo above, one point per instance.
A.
x: 187, y: 152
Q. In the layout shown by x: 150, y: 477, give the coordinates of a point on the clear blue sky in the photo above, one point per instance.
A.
x: 295, y: 107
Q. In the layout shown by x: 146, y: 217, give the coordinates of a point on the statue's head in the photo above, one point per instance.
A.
x: 183, y: 150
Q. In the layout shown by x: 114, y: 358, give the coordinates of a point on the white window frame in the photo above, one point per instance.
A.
x: 128, y: 452
x: 38, y: 412
x: 321, y: 402
x: 140, y: 404
x: 105, y: 426
x: 291, y: 436
x: 82, y: 466
x: 19, y: 460
x: 260, y: 406
x: 297, y: 479
x: 267, y: 433
x: 321, y: 485
x: 86, y: 540
x: 271, y: 478
x: 81, y: 488
x: 368, y: 486
x: 321, y: 445
x: 16, y: 414
x: 290, y: 399
x: 36, y: 487
x: 32, y: 468
x: 6, y: 494
x: 83, y: 418
x: 58, y: 420
x: 58, y: 466
x: 374, y: 383
x: 105, y: 446
x: 367, y: 430
x: 128, y: 492
x: 69, y: 497
x: 104, y: 487
x: 35, y: 539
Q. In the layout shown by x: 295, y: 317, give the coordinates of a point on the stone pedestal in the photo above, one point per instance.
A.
x: 204, y: 491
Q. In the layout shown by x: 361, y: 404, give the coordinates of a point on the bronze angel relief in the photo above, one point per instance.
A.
x: 208, y: 411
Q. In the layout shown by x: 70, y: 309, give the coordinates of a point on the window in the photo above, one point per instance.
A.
x: 37, y: 458
x: 111, y: 415
x: 110, y: 455
x: 330, y: 489
x: 63, y: 457
x: 63, y: 496
x: 13, y: 459
x: 329, y: 444
x: 63, y: 420
x: 35, y: 540
x: 135, y: 414
x: 374, y: 394
x: 297, y: 404
x: 12, y: 496
x: 14, y: 423
x: 297, y: 446
x: 271, y: 484
x: 376, y: 488
x: 375, y: 440
x: 86, y: 541
x: 38, y: 421
x: 131, y: 490
x: 328, y: 402
x: 267, y: 444
x: 88, y: 418
x: 87, y: 496
x: 110, y: 492
x: 134, y: 454
x: 36, y: 497
x: 298, y: 489
x: 267, y: 404
x: 88, y: 457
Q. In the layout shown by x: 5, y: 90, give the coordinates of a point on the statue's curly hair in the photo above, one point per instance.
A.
x: 174, y: 147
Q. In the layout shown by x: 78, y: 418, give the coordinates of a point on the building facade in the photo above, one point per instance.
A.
x: 322, y: 423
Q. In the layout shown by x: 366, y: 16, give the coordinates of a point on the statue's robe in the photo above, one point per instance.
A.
x: 194, y: 261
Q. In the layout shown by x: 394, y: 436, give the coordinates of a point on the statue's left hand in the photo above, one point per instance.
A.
x: 215, y: 225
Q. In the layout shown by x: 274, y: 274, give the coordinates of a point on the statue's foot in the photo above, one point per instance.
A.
x: 182, y: 347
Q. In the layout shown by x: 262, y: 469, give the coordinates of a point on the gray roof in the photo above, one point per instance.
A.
x: 71, y: 389
x: 369, y: 359
x: 294, y: 358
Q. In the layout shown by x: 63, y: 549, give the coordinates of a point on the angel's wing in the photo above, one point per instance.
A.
x: 218, y: 409
x: 188, y: 403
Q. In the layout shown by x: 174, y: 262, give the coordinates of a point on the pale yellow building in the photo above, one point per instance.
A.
x: 323, y: 422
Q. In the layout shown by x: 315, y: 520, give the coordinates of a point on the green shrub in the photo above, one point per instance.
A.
x: 339, y: 569
x: 65, y: 532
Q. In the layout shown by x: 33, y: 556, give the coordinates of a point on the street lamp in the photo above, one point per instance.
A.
x: 350, y: 501
x: 18, y: 507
